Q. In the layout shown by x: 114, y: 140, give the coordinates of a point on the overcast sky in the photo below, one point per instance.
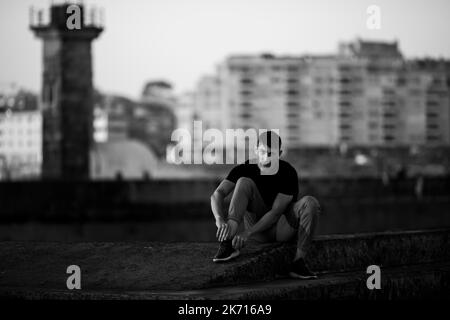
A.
x: 180, y: 40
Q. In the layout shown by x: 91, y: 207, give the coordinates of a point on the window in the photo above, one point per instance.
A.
x: 401, y: 81
x: 373, y: 69
x: 48, y: 94
x: 344, y: 68
x: 373, y: 125
x: 239, y: 68
x: 437, y: 81
x: 433, y: 137
x: 344, y: 80
x: 389, y: 103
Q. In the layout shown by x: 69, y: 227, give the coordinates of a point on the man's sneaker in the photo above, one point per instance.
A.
x: 226, y: 252
x: 299, y: 270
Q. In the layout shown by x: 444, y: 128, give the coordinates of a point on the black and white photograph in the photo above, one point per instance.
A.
x: 225, y: 155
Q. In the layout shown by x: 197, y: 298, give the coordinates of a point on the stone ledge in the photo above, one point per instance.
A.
x: 170, y: 267
x: 407, y: 282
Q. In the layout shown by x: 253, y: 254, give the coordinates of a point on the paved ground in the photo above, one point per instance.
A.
x: 413, y: 263
x: 121, y: 266
x: 417, y: 281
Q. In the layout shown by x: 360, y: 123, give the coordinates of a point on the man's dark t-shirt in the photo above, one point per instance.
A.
x: 284, y: 181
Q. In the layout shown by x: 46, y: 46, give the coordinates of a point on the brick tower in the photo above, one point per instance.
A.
x: 67, y: 92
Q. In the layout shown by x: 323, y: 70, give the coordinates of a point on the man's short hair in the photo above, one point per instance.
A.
x: 266, y: 137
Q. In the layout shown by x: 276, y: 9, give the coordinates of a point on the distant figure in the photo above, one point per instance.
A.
x: 400, y: 177
x: 385, y: 178
x: 401, y: 173
x: 119, y: 176
x: 146, y: 176
x: 419, y: 187
x: 266, y: 201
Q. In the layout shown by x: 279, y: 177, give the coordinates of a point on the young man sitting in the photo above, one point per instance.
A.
x: 265, y: 199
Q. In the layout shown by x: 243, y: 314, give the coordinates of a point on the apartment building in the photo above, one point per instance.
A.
x: 20, y: 136
x: 366, y: 94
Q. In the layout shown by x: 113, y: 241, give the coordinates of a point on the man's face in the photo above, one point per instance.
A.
x: 266, y: 155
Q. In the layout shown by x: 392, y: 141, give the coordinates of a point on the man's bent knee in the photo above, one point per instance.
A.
x: 244, y: 182
x: 245, y: 185
x: 307, y: 202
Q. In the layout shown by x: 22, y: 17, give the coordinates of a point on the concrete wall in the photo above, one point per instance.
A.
x: 155, y: 200
x: 180, y: 210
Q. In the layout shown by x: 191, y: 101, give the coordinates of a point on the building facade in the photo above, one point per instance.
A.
x: 367, y: 94
x: 20, y: 136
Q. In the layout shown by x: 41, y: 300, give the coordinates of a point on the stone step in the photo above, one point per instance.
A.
x: 405, y: 282
x: 338, y: 253
x: 175, y: 266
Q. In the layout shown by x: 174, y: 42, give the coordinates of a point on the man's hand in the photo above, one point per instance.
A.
x: 240, y: 239
x: 223, y: 229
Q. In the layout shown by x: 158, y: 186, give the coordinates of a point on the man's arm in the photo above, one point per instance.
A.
x: 222, y: 191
